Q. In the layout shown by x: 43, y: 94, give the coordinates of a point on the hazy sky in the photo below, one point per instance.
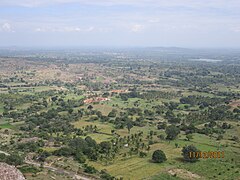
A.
x: 183, y: 23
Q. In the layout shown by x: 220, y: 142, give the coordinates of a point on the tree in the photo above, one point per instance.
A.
x: 54, y: 98
x: 189, y: 137
x: 43, y: 155
x: 189, y: 153
x: 129, y: 126
x: 113, y: 113
x: 91, y: 142
x: 226, y: 126
x: 63, y: 151
x: 220, y: 137
x: 106, y: 176
x: 14, y: 159
x: 162, y: 125
x: 158, y: 156
x: 105, y: 147
x: 142, y: 154
x: 91, y: 153
x: 172, y: 132
x: 2, y: 157
x: 80, y: 157
x: 90, y: 107
x: 78, y: 144
x: 161, y: 137
x: 236, y: 110
x: 90, y: 169
x: 70, y: 110
x: 235, y: 138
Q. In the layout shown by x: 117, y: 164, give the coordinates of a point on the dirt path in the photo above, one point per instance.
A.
x: 56, y: 170
x: 61, y: 171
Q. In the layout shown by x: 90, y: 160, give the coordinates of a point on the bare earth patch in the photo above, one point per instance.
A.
x: 184, y: 174
x: 235, y: 103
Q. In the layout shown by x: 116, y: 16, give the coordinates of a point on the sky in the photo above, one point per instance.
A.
x: 130, y: 23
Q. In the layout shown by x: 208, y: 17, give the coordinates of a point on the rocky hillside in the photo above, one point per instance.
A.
x: 8, y: 172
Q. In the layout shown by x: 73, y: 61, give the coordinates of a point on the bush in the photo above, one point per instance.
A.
x: 106, y: 176
x: 2, y: 157
x: 186, y: 153
x: 158, y: 156
x: 220, y: 137
x: 172, y: 132
x: 142, y: 154
x: 64, y: 151
x: 29, y: 169
x: 14, y: 159
x: 90, y: 169
x: 80, y: 157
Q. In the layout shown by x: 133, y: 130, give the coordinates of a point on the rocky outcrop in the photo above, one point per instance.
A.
x: 8, y: 172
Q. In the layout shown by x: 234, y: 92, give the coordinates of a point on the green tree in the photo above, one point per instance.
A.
x: 113, y: 113
x: 2, y: 157
x: 172, y: 132
x: 70, y: 110
x: 189, y: 153
x: 80, y: 157
x: 105, y: 147
x: 90, y: 169
x: 142, y: 154
x: 14, y: 159
x: 158, y: 156
x: 129, y: 126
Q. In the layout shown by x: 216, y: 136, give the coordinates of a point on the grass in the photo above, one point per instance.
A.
x: 100, y: 137
x: 130, y: 168
x: 141, y: 168
x: 202, y: 142
x: 100, y: 78
x: 46, y: 175
x: 215, y: 168
x: 26, y: 90
x: 196, y: 93
x: 104, y: 108
x: 102, y: 127
x: 49, y: 149
x: 1, y: 108
x: 135, y: 167
x: 145, y: 130
x: 23, y: 106
x: 6, y: 126
x: 73, y: 96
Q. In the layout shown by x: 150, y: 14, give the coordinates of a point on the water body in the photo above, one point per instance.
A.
x: 206, y: 60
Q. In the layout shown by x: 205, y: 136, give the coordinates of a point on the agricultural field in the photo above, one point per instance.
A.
x: 131, y: 117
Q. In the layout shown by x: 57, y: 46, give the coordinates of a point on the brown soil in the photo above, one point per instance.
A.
x: 184, y: 174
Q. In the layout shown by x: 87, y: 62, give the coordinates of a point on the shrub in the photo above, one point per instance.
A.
x: 142, y: 154
x: 90, y: 169
x: 186, y: 153
x: 158, y: 156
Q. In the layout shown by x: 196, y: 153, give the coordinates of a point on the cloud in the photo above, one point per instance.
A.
x: 64, y: 29
x: 136, y: 28
x: 158, y: 3
x: 236, y: 29
x: 154, y: 20
x: 6, y: 27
